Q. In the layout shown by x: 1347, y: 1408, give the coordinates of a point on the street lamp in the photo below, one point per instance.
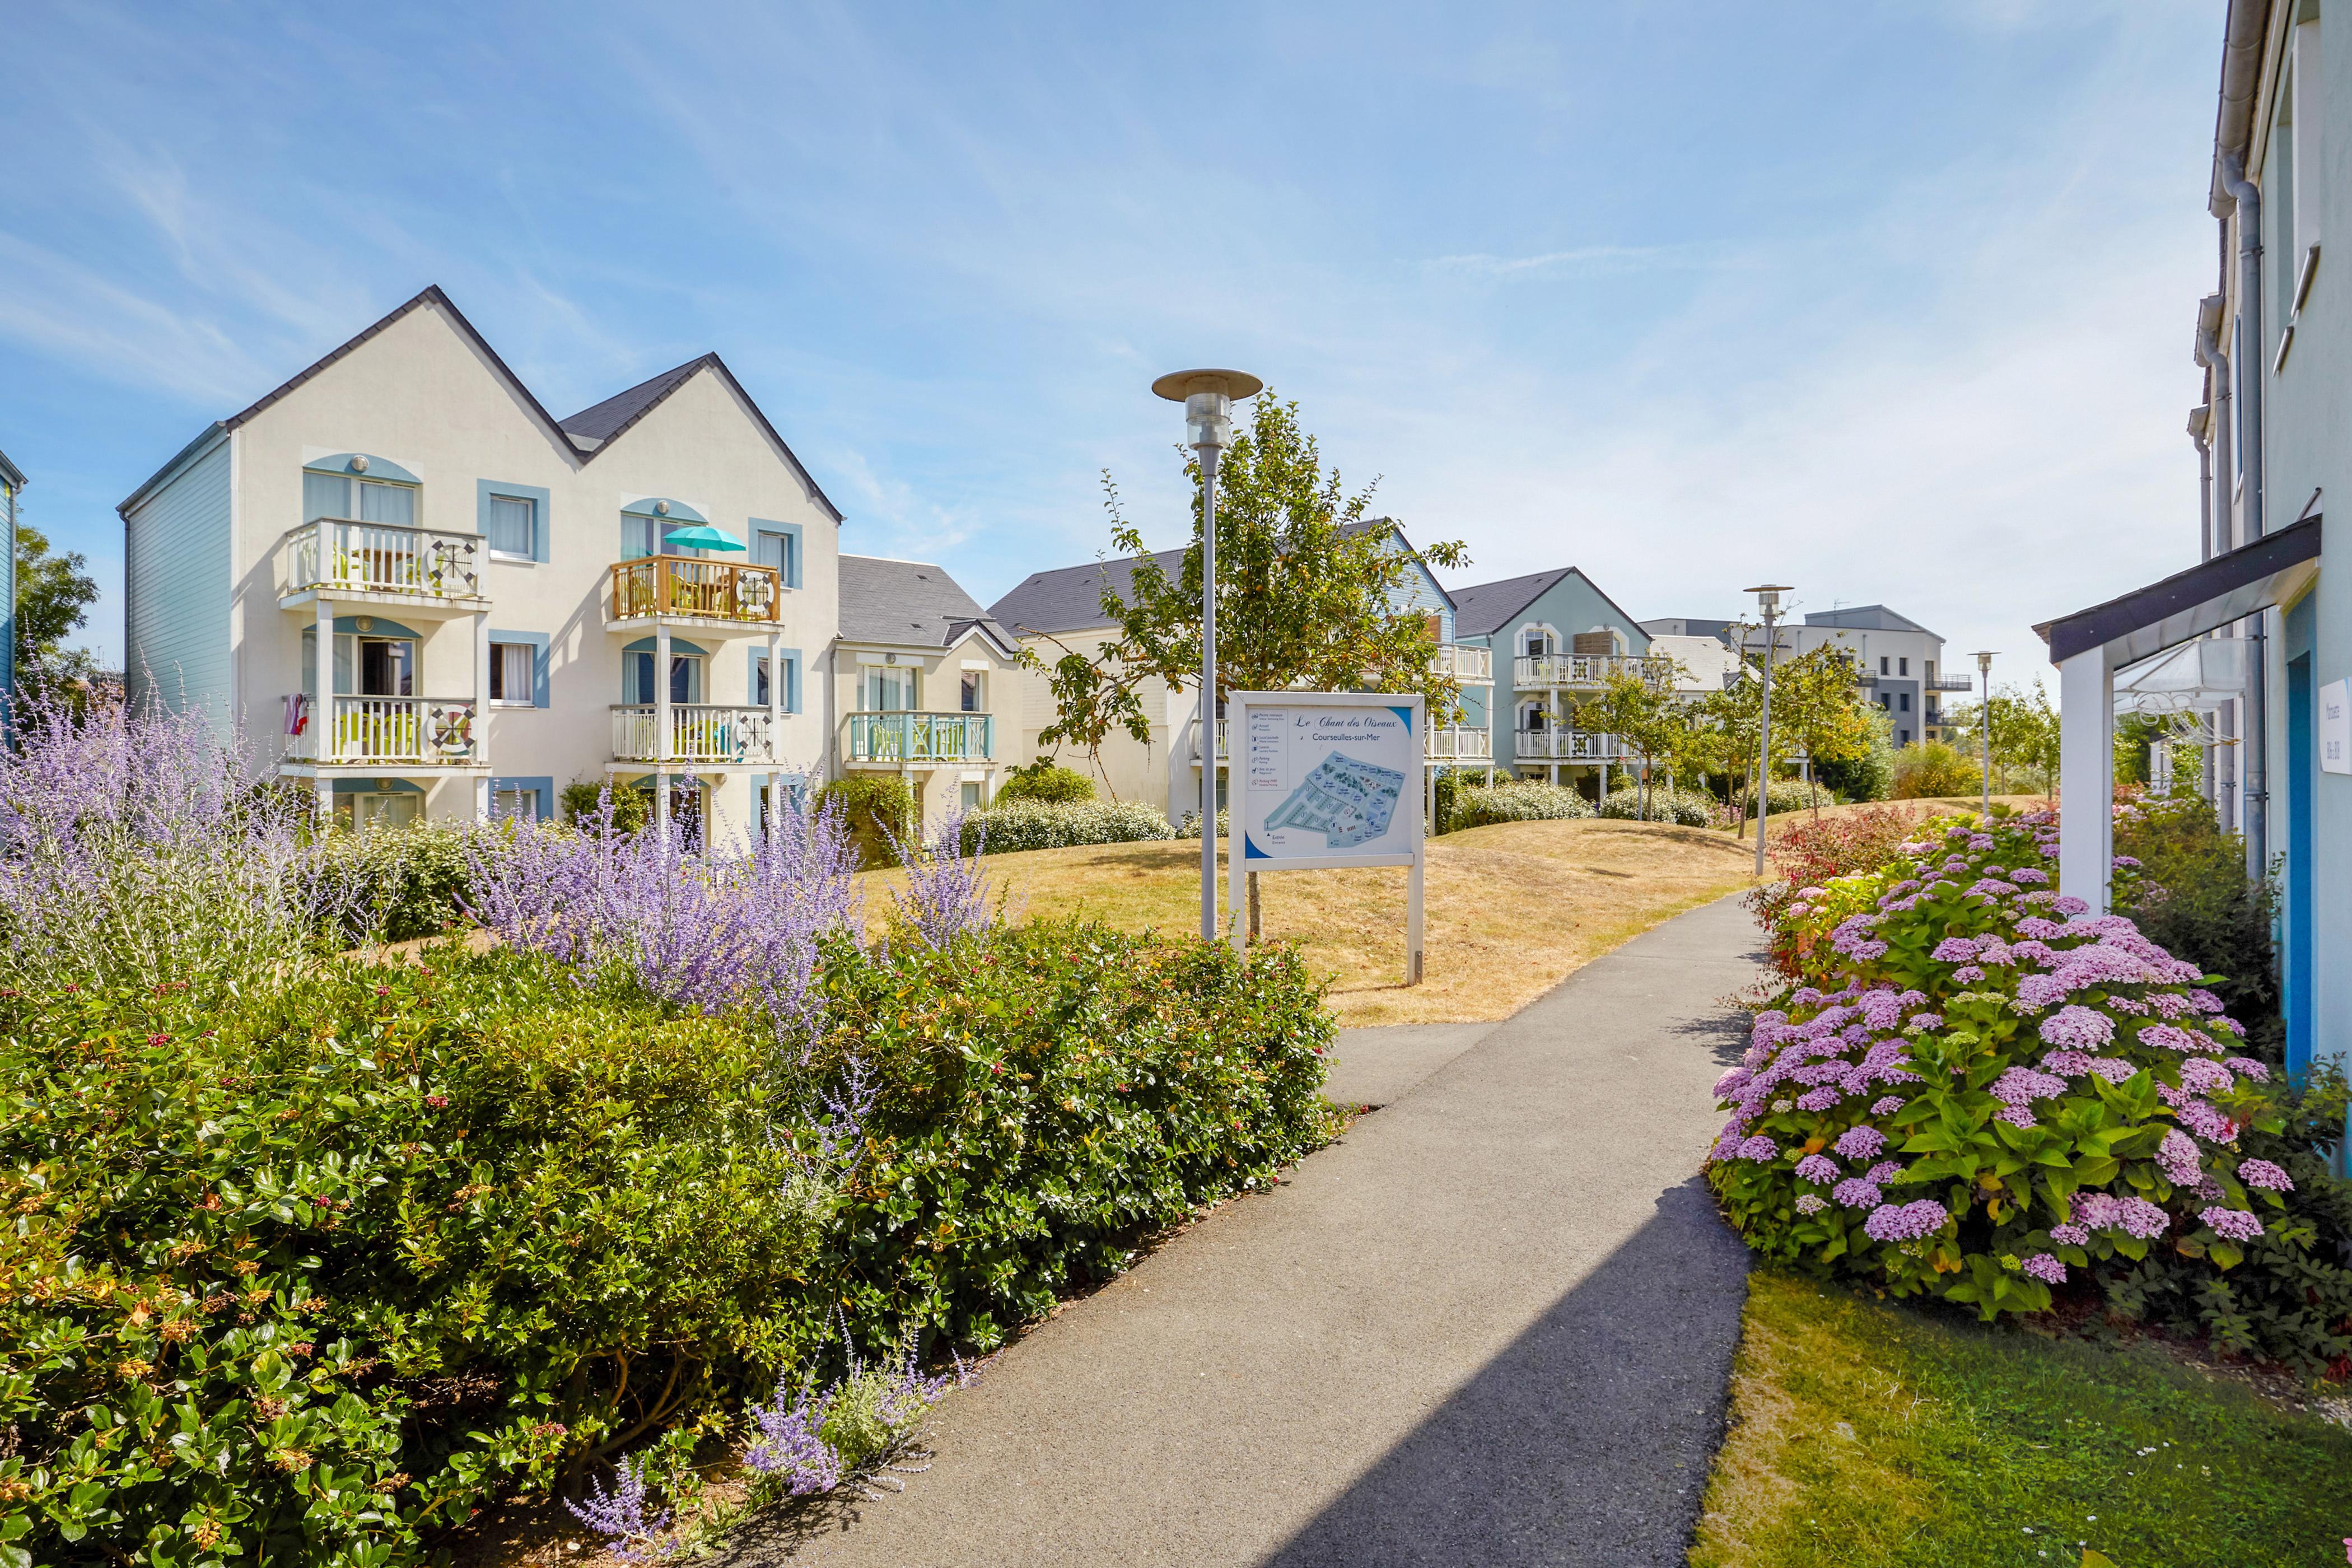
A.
x: 1208, y: 397
x: 1767, y: 599
x: 1984, y: 719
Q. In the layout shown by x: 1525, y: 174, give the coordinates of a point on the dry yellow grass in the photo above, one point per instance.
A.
x: 1509, y: 911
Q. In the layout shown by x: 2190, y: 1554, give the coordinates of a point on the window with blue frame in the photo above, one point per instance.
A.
x: 513, y: 527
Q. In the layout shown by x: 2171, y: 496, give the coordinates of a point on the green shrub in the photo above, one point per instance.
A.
x: 1687, y: 808
x: 877, y: 807
x: 1521, y: 800
x: 1785, y: 798
x: 582, y: 804
x: 1871, y: 775
x: 1046, y: 825
x: 1053, y: 1095
x: 1932, y: 770
x: 409, y: 881
x: 1047, y: 780
x: 310, y: 1278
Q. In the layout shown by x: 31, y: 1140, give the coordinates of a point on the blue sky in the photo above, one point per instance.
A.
x: 1889, y: 300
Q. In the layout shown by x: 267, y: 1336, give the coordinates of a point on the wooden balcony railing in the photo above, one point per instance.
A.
x: 336, y: 552
x: 1565, y: 746
x: 380, y: 731
x: 920, y: 737
x: 698, y: 732
x: 689, y: 585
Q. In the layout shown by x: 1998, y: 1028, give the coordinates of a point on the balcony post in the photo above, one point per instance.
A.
x: 775, y: 720
x: 661, y: 723
x: 323, y: 678
x: 481, y: 730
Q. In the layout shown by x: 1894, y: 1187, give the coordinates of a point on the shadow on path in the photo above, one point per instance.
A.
x: 1586, y: 1441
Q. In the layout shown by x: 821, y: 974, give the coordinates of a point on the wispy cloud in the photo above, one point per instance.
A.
x: 1585, y: 261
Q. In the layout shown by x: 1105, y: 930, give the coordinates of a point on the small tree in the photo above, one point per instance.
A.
x: 1735, y: 713
x: 1641, y: 708
x: 1306, y: 596
x: 2024, y: 730
x: 1817, y: 696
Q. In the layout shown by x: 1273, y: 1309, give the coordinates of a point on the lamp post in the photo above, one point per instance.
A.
x: 1984, y: 719
x: 1767, y: 599
x: 1208, y: 397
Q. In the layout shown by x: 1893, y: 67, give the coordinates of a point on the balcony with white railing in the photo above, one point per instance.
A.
x: 381, y: 731
x: 1460, y: 745
x: 688, y: 587
x: 920, y: 740
x: 698, y: 732
x: 1463, y: 662
x: 338, y: 555
x: 1584, y: 671
x: 1564, y: 746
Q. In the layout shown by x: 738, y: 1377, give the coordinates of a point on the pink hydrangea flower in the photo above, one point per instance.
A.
x: 1860, y: 1142
x: 2017, y: 1116
x: 2070, y: 1235
x: 2208, y: 1122
x: 2041, y: 1265
x: 2233, y: 1224
x: 1819, y: 1168
x: 2205, y: 1076
x: 1819, y: 1100
x: 2035, y: 992
x: 2072, y: 1027
x: 2263, y: 1173
x: 1760, y: 1148
x: 1883, y: 1172
x: 1953, y: 950
x: 1906, y: 1222
x: 2248, y: 1068
x: 1886, y: 1105
x: 2019, y: 1086
x: 1855, y: 1193
x: 1811, y: 1204
x: 2177, y: 1157
x: 2069, y: 905
x: 1967, y: 975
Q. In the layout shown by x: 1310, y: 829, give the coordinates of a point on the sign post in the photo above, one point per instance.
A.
x: 1325, y: 780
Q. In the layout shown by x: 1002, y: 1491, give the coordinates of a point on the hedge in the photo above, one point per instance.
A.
x: 1046, y: 825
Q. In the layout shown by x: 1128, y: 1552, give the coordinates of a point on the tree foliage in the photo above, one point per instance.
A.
x: 1641, y: 708
x: 1310, y: 595
x: 53, y: 592
x: 2024, y: 732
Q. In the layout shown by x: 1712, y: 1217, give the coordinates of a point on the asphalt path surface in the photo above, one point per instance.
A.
x: 1492, y: 1326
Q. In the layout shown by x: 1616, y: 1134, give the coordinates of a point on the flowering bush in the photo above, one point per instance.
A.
x: 1815, y: 853
x: 1015, y: 825
x: 1521, y: 800
x: 1687, y: 808
x: 1993, y: 1093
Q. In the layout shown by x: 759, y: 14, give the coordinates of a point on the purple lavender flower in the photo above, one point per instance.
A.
x: 619, y: 1517
x: 2041, y: 1265
x: 2233, y: 1224
x: 1906, y: 1222
x: 791, y: 1445
x: 2070, y: 1235
x: 2263, y: 1173
x: 1819, y: 1168
x: 947, y: 892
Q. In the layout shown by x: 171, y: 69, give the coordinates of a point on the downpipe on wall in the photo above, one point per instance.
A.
x: 2256, y: 769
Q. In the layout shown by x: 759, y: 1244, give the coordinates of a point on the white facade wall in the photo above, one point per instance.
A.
x: 421, y: 394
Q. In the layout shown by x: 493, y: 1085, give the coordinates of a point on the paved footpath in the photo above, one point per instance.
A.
x: 1491, y: 1327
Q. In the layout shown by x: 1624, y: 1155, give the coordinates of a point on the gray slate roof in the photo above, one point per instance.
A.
x: 1487, y: 609
x: 1070, y: 598
x: 601, y: 422
x: 1865, y: 617
x: 903, y: 603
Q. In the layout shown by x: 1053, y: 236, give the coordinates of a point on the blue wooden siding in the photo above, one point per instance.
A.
x: 1422, y: 594
x: 175, y: 600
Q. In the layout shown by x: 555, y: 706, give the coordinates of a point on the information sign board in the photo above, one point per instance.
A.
x: 1326, y: 779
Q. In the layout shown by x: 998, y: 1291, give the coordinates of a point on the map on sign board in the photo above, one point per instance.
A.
x: 1345, y: 800
x: 1329, y: 778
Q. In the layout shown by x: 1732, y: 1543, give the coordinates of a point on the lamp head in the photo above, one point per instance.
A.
x: 1208, y: 396
x: 1984, y: 660
x: 1767, y: 595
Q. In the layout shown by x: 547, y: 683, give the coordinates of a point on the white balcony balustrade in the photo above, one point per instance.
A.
x: 1463, y: 662
x: 698, y: 732
x: 337, y: 555
x: 377, y: 732
x: 1460, y: 745
x: 1584, y: 671
x: 1565, y: 746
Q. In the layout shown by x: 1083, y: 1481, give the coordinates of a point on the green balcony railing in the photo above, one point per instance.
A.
x: 920, y: 737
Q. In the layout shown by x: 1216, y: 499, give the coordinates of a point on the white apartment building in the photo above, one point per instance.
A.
x: 1899, y: 662
x: 412, y: 586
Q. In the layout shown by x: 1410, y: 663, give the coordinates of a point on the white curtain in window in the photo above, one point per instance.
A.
x: 325, y: 495
x: 510, y: 526
x: 393, y: 505
x: 510, y: 672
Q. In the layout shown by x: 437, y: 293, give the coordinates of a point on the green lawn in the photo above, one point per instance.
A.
x: 1867, y: 1433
